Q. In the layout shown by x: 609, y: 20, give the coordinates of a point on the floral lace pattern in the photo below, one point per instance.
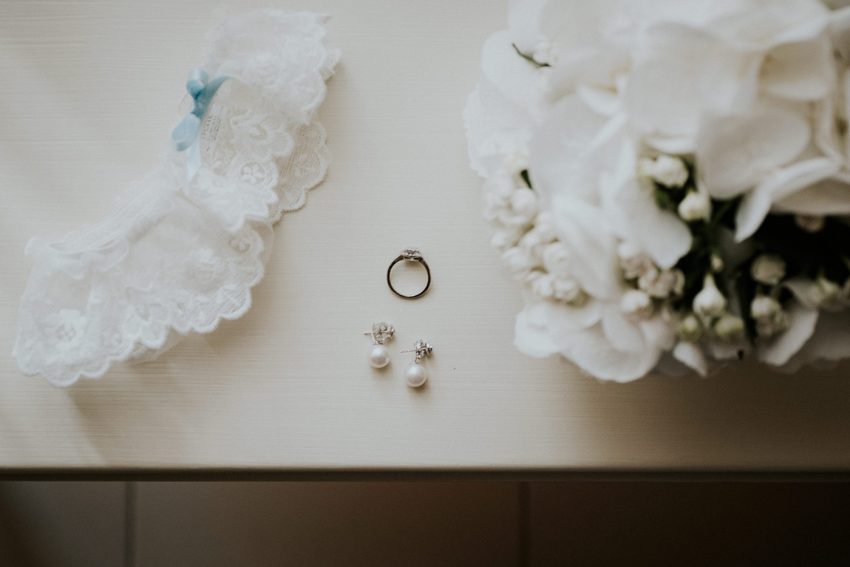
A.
x: 179, y: 255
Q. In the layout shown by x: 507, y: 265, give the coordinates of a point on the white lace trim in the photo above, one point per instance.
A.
x: 179, y: 255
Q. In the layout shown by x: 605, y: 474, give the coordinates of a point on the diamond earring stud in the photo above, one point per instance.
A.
x: 381, y: 332
x: 415, y: 373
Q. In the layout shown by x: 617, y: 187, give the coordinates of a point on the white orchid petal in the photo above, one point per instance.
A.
x: 512, y: 75
x: 799, y: 71
x: 831, y: 340
x: 751, y: 212
x: 660, y: 233
x: 658, y: 332
x: 562, y: 156
x: 594, y: 353
x: 531, y: 334
x: 778, y: 350
x: 709, y: 76
x: 524, y: 22
x: 597, y: 67
x: 839, y: 29
x: 561, y: 319
x: 721, y: 350
x: 656, y: 115
x: 775, y: 187
x: 827, y: 197
x: 575, y: 24
x: 692, y: 356
x: 761, y: 25
x: 735, y: 152
x: 826, y: 137
x: 623, y: 334
x: 601, y: 101
x: 676, y: 145
x: 494, y: 127
x: 592, y: 247
x: 804, y: 290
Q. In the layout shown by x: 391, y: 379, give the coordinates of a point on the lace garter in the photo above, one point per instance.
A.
x: 186, y: 244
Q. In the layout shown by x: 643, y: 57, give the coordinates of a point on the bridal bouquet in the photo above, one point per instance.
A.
x: 670, y: 181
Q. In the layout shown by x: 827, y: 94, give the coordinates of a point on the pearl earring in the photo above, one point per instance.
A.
x: 381, y: 332
x: 415, y: 373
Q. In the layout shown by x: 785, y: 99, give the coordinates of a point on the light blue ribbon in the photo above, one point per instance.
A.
x: 186, y: 134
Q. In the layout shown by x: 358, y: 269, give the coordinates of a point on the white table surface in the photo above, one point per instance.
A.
x: 89, y: 94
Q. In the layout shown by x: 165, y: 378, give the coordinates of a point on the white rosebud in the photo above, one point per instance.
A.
x: 769, y: 317
x: 648, y: 275
x: 567, y: 290
x: 764, y: 306
x: 717, y: 264
x: 517, y: 260
x: 663, y: 284
x: 695, y: 206
x: 509, y: 218
x: 689, y: 329
x: 768, y: 269
x: 556, y: 259
x: 809, y: 223
x: 545, y: 227
x: 678, y: 286
x: 709, y: 302
x: 532, y: 243
x: 524, y: 203
x: 504, y: 239
x: 729, y: 328
x: 542, y: 285
x: 633, y: 262
x: 668, y: 171
x: 636, y: 304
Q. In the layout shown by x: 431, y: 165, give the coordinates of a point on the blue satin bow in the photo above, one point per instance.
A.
x: 185, y: 135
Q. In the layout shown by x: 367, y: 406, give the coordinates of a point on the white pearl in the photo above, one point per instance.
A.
x: 379, y: 356
x: 415, y: 375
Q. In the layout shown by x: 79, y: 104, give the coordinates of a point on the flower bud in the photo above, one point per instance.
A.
x: 524, y: 203
x: 504, y: 239
x: 717, y: 263
x: 769, y: 316
x: 768, y: 269
x: 695, y: 206
x: 669, y: 171
x: 544, y: 226
x: 729, y: 328
x: 810, y: 223
x: 567, y: 290
x: 633, y: 262
x: 517, y: 260
x: 764, y: 306
x: 636, y: 304
x: 689, y: 328
x: 556, y: 259
x: 662, y: 284
x: 709, y: 302
x: 542, y: 285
